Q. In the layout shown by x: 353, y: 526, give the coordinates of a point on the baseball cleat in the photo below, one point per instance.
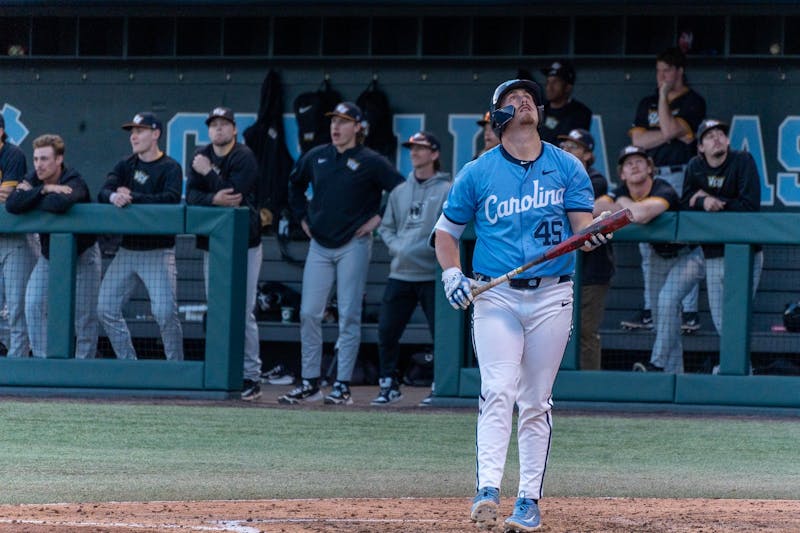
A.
x: 525, y: 517
x: 690, y: 323
x: 339, y: 395
x: 484, y: 507
x: 251, y: 390
x: 642, y: 320
x: 389, y: 392
x: 646, y: 366
x: 306, y: 392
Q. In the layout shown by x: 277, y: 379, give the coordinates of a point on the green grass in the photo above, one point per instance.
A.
x: 63, y: 451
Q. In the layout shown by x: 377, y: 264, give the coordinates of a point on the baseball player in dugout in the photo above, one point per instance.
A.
x: 411, y: 212
x: 523, y: 198
x: 721, y: 179
x: 224, y: 174
x: 664, y: 126
x: 53, y: 187
x: 562, y: 113
x: 674, y: 267
x: 18, y: 252
x: 148, y: 176
x: 347, y: 182
x: 598, y: 265
x: 490, y: 139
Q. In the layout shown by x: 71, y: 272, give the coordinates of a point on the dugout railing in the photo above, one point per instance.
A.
x: 455, y: 376
x: 217, y: 376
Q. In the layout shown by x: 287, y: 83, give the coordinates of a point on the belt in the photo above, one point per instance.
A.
x: 527, y: 283
x: 667, y: 169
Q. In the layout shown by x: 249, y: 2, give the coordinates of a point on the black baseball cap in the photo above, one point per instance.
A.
x: 348, y: 111
x: 561, y: 69
x: 487, y: 119
x: 630, y: 150
x: 708, y: 125
x: 580, y: 136
x: 221, y: 112
x: 145, y: 119
x: 423, y: 138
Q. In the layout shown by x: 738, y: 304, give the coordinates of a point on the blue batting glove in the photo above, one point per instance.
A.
x: 457, y: 288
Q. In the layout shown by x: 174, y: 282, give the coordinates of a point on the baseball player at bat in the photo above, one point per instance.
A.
x: 523, y: 196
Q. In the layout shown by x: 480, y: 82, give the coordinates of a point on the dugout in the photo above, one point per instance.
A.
x: 82, y: 67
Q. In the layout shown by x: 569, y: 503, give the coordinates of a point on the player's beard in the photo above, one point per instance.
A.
x: 527, y: 119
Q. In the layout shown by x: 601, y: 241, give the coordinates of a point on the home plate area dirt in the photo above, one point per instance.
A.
x: 400, y: 515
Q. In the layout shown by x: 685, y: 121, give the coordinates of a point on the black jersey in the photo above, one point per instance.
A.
x: 150, y: 182
x: 346, y: 190
x: 598, y: 265
x: 12, y: 163
x: 689, y: 108
x: 735, y: 182
x: 562, y: 120
x: 662, y: 190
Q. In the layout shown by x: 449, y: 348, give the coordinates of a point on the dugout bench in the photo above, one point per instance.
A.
x: 456, y: 375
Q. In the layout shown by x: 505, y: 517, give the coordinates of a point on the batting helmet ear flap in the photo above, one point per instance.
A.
x: 501, y: 117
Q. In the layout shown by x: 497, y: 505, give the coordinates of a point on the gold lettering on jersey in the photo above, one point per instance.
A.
x: 541, y: 197
x: 715, y: 182
x: 141, y: 177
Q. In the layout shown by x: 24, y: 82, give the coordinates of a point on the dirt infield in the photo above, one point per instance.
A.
x: 400, y: 515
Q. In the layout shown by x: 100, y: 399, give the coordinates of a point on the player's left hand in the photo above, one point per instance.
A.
x: 457, y: 288
x: 369, y: 226
x: 596, y: 240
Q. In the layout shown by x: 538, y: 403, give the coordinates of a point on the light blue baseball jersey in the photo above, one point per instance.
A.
x: 519, y: 209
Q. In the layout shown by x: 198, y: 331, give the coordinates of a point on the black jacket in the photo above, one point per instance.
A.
x: 736, y: 182
x: 238, y: 171
x: 23, y: 201
x: 153, y: 182
x: 347, y: 190
x: 267, y: 140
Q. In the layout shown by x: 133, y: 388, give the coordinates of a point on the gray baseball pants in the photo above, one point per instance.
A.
x: 347, y: 266
x: 157, y: 270
x: 715, y: 281
x: 18, y: 255
x: 87, y: 284
x: 671, y: 279
x: 252, y: 347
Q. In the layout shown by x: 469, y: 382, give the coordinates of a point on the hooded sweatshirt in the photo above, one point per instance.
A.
x: 411, y: 212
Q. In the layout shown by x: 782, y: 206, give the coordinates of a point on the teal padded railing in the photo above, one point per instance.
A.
x: 221, y: 371
x: 732, y: 386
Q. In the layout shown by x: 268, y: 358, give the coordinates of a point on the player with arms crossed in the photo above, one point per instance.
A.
x: 523, y: 198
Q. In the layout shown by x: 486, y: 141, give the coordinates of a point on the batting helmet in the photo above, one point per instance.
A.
x: 501, y: 116
x: 791, y: 317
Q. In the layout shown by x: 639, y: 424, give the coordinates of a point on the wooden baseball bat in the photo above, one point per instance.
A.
x: 614, y: 222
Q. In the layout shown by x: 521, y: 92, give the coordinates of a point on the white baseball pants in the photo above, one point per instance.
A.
x: 519, y: 338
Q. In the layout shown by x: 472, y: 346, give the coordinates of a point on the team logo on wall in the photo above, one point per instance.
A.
x: 14, y: 127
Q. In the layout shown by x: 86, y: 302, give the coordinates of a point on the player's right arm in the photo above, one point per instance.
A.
x: 299, y: 179
x: 446, y: 234
x: 645, y: 210
x: 388, y: 228
x: 198, y: 191
x: 113, y: 181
